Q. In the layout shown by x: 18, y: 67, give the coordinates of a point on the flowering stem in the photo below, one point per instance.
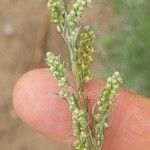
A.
x: 79, y: 40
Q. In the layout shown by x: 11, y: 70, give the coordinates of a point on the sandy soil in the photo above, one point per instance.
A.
x: 19, y: 24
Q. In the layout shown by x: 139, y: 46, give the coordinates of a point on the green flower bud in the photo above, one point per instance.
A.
x: 57, y: 69
x: 106, y: 98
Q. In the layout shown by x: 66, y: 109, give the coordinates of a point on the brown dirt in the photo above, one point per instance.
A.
x: 19, y: 23
x: 23, y: 36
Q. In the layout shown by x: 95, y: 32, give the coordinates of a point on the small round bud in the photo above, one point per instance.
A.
x: 106, y: 125
x: 58, y: 28
x: 81, y: 8
x: 86, y: 79
x: 102, y: 137
x: 117, y: 74
x: 97, y: 117
x: 109, y: 80
x: 72, y: 13
x: 71, y: 23
x: 75, y: 6
x: 100, y: 109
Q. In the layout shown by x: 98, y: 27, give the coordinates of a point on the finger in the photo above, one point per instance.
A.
x: 36, y: 102
x: 129, y: 120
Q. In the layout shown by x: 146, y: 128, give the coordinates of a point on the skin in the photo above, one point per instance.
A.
x: 36, y: 103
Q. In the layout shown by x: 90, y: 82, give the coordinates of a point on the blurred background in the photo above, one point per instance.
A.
x: 122, y: 28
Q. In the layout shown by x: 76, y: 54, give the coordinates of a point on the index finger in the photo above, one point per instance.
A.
x: 36, y: 103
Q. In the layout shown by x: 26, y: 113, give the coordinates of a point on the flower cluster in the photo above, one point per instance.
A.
x: 84, y: 53
x: 79, y: 121
x: 80, y: 42
x: 76, y: 13
x: 79, y: 127
x: 57, y: 8
x: 106, y: 98
x: 78, y: 116
x: 58, y: 70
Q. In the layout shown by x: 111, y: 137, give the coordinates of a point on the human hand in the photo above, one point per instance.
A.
x: 36, y: 103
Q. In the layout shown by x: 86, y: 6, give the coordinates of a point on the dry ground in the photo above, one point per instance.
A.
x: 19, y: 23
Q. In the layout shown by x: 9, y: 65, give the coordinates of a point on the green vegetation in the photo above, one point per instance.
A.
x: 128, y: 45
x: 89, y: 135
